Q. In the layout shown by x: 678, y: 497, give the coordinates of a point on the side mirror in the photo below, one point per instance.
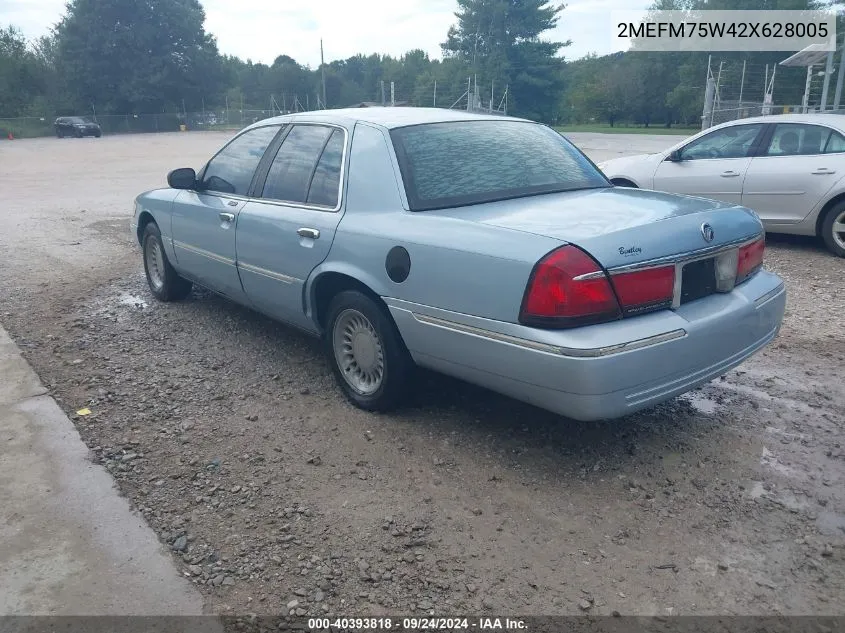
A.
x: 674, y: 156
x: 182, y: 178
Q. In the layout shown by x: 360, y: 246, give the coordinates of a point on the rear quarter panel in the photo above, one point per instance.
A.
x: 456, y: 265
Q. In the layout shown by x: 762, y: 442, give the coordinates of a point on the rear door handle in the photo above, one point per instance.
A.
x: 306, y: 232
x: 729, y: 174
x: 226, y: 217
x: 822, y: 171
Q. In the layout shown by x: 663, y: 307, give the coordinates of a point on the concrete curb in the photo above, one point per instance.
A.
x: 69, y: 543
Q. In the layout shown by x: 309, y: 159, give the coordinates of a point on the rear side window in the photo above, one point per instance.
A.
x: 296, y: 162
x: 835, y: 144
x: 325, y: 185
x: 470, y: 162
x: 232, y: 169
x: 792, y: 139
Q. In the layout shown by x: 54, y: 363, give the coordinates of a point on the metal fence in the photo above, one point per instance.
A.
x: 738, y: 90
x: 23, y: 127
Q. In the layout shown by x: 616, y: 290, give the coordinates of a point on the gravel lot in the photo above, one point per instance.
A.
x: 226, y: 432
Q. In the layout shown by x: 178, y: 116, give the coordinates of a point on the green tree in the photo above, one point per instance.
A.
x: 125, y: 55
x: 22, y: 78
x: 500, y: 42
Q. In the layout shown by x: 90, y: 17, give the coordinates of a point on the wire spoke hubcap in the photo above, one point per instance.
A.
x: 839, y: 230
x: 358, y: 352
x: 155, y: 262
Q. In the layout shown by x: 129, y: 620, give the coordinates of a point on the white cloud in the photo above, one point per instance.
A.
x: 262, y: 29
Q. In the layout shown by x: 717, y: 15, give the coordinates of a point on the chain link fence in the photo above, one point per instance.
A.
x: 27, y: 127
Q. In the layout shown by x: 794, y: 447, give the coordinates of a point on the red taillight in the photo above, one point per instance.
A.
x: 750, y: 258
x: 643, y: 290
x: 557, y: 297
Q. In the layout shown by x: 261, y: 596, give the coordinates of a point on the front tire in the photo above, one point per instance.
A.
x: 163, y: 280
x: 833, y: 229
x: 365, y: 350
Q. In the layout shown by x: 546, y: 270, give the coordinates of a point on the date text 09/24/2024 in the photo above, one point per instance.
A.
x: 415, y: 624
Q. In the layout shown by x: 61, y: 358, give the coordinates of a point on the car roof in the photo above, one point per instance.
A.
x: 820, y: 118
x: 388, y: 117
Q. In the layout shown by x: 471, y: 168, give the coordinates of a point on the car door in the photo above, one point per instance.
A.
x: 799, y: 165
x: 713, y: 165
x: 286, y: 230
x: 203, y: 220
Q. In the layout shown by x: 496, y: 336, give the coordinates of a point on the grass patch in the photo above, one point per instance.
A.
x: 604, y: 128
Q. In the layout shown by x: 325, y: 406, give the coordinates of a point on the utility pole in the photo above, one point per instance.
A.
x: 469, y: 88
x: 828, y: 71
x: 323, y: 68
x: 838, y: 94
x: 392, y: 94
x: 434, y: 102
x: 227, y: 108
x: 382, y: 93
x: 491, y: 95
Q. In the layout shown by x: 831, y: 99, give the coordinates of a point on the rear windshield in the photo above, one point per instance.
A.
x: 469, y: 162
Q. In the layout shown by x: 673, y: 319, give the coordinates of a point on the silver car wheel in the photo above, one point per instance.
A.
x: 838, y: 229
x: 154, y: 258
x: 358, y: 352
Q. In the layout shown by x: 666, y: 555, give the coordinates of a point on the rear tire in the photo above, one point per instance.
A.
x: 60, y: 134
x: 163, y: 280
x: 833, y: 229
x: 365, y: 350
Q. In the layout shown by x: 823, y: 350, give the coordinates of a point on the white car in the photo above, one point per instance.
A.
x: 788, y: 168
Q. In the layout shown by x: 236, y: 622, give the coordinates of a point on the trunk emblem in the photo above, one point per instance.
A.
x: 707, y: 232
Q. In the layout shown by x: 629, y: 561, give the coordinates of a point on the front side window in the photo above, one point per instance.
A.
x: 231, y: 170
x: 306, y: 169
x: 458, y: 163
x: 730, y: 142
x: 793, y: 139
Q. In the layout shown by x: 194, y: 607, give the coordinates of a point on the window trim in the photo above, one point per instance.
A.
x: 259, y: 185
x: 753, y: 149
x: 238, y: 196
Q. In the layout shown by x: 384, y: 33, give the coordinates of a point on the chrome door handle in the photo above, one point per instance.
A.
x: 226, y: 217
x: 232, y: 203
x: 306, y: 232
x: 729, y: 174
x: 822, y: 171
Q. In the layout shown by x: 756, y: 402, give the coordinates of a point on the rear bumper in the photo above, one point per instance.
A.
x: 601, y: 371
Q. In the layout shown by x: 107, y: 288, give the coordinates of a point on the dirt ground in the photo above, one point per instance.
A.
x: 226, y: 432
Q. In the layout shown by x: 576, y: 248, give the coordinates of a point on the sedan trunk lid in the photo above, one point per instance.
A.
x: 620, y: 226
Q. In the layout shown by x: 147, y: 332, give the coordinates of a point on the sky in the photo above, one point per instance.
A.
x: 262, y: 30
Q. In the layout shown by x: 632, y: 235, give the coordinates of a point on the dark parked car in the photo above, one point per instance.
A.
x: 77, y: 126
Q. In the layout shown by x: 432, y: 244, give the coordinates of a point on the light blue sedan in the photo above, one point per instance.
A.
x: 488, y: 248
